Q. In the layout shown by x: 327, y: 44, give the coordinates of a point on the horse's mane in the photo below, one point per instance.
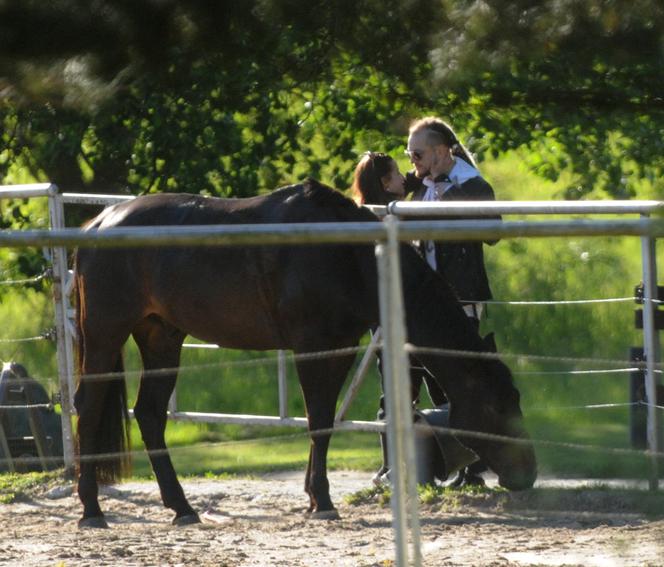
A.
x: 322, y: 195
x: 423, y: 288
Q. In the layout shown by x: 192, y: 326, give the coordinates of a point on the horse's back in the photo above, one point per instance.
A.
x: 167, y: 209
x: 306, y: 202
x: 260, y: 293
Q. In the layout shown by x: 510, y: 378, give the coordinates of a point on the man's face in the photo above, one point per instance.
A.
x: 421, y: 154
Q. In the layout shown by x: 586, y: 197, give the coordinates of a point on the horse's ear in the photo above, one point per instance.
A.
x: 489, y: 343
x: 19, y: 370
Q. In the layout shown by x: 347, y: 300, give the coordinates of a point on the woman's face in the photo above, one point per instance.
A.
x: 393, y: 181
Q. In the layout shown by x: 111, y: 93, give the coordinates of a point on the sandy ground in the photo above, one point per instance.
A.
x: 261, y: 522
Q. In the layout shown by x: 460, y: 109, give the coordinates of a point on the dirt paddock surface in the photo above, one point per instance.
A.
x: 261, y: 522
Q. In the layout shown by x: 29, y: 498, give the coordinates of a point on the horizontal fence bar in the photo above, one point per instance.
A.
x: 489, y: 208
x: 28, y: 191
x: 96, y: 199
x: 248, y: 419
x: 400, y: 208
x: 326, y: 233
x: 200, y: 235
x: 484, y: 229
x: 32, y: 190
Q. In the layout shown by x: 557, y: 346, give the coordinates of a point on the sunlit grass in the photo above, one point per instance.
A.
x: 599, y: 499
x: 14, y: 485
x: 537, y: 269
x: 348, y: 451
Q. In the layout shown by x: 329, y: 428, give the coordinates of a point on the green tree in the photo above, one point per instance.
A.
x: 581, y: 77
x: 234, y: 98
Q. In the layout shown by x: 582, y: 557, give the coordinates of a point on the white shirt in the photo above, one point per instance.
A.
x: 461, y: 172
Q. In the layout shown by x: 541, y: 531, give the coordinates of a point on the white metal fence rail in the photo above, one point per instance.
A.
x: 387, y: 235
x: 468, y: 229
x: 479, y: 209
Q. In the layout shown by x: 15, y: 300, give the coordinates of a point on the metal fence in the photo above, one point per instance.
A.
x: 387, y: 235
x: 59, y: 237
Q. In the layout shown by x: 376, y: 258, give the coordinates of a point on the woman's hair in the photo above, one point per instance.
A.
x: 440, y: 132
x: 367, y: 185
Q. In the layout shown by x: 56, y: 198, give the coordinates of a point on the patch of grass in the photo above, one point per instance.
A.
x: 348, y: 451
x: 594, y: 500
x: 428, y: 495
x: 599, y: 499
x: 15, y: 486
x: 374, y: 495
x: 432, y: 494
x: 224, y: 476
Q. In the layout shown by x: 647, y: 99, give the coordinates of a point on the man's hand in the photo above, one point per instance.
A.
x: 411, y: 182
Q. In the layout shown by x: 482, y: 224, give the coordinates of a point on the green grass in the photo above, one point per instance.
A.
x: 573, y: 451
x: 598, y: 499
x: 574, y: 268
x: 14, y: 486
x: 290, y: 451
x: 571, y: 445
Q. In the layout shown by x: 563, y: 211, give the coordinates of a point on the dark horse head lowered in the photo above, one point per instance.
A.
x: 303, y: 298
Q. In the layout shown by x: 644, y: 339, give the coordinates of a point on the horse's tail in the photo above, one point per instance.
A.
x: 111, y: 439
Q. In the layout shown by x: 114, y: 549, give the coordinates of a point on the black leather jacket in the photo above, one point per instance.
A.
x: 462, y: 263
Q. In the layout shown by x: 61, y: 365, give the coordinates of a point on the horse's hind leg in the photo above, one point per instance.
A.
x: 89, y: 411
x: 160, y: 345
x: 93, y: 405
x: 321, y: 382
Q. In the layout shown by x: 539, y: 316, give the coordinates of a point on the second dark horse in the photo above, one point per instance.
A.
x: 303, y: 298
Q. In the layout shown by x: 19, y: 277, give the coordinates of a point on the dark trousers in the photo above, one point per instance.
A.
x: 418, y: 376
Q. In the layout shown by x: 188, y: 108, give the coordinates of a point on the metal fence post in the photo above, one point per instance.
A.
x: 398, y: 400
x: 638, y: 415
x: 368, y: 358
x: 173, y: 402
x: 651, y: 348
x: 282, y: 378
x: 64, y: 343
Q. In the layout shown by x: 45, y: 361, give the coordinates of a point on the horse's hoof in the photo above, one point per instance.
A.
x: 324, y: 515
x: 92, y: 522
x: 187, y: 520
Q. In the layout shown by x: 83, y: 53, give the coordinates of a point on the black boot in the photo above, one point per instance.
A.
x: 469, y: 476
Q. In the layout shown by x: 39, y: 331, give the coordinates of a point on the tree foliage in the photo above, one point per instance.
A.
x: 585, y: 76
x: 233, y: 98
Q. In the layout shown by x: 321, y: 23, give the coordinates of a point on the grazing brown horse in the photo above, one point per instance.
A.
x: 302, y: 298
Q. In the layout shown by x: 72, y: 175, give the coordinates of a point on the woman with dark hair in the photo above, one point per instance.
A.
x: 377, y: 180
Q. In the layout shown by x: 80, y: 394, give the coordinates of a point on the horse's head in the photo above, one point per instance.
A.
x: 491, y: 404
x: 480, y: 388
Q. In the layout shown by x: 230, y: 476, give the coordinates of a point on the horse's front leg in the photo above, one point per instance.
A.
x: 321, y: 382
x: 307, y: 480
x: 160, y: 348
x: 318, y: 485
